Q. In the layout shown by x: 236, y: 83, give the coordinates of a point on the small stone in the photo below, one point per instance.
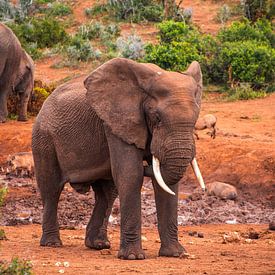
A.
x: 58, y: 264
x: 192, y: 233
x: 143, y: 238
x: 200, y: 235
x: 105, y: 252
x: 248, y: 241
x: 61, y: 271
x: 66, y: 264
x: 271, y: 225
x: 187, y: 256
x: 157, y: 240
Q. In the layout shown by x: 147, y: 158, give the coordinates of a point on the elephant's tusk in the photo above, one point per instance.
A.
x: 157, y: 174
x: 197, y: 173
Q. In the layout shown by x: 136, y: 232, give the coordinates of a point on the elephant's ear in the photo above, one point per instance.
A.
x: 194, y: 70
x: 115, y: 90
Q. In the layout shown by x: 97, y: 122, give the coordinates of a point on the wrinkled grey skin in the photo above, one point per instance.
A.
x: 102, y: 135
x: 16, y: 73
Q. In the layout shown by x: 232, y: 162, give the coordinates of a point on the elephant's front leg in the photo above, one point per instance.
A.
x: 127, y: 171
x: 3, y: 104
x: 23, y: 106
x: 167, y: 213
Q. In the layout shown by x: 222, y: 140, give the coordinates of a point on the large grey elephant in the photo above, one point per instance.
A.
x: 100, y: 134
x: 16, y: 73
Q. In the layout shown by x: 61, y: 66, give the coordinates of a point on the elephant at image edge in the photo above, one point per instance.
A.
x: 130, y: 112
x: 16, y: 73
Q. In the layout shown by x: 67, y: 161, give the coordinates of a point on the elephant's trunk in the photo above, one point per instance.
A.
x: 174, y: 154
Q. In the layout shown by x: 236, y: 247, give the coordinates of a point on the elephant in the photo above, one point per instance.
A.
x: 100, y: 132
x: 16, y: 73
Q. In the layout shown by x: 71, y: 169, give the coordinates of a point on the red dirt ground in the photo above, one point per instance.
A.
x: 242, y: 154
x: 209, y: 254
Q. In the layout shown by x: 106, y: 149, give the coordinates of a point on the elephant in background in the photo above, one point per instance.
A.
x: 98, y: 134
x: 16, y: 73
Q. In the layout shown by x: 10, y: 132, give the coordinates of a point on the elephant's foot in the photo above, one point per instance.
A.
x: 22, y: 118
x: 132, y: 252
x: 172, y: 250
x: 2, y: 119
x: 98, y: 243
x: 52, y: 241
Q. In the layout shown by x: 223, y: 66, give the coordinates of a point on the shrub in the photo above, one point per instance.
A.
x: 180, y: 44
x: 135, y: 10
x: 3, y: 193
x: 152, y: 13
x: 244, y: 92
x: 174, y: 56
x: 247, y: 61
x: 130, y: 47
x: 91, y: 30
x: 39, y: 95
x: 177, y: 31
x: 18, y: 12
x: 45, y: 32
x: 80, y: 49
x: 59, y: 9
x: 183, y: 15
x: 255, y: 9
x: 223, y: 14
x: 16, y: 266
x: 95, y: 10
x: 245, y: 30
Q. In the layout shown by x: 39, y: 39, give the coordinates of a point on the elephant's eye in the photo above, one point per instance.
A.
x: 158, y: 119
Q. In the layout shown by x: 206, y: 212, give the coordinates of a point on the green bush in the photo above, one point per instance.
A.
x: 45, y: 32
x: 90, y: 30
x: 96, y: 10
x: 3, y: 193
x: 59, y: 9
x: 135, y: 10
x: 255, y: 9
x: 80, y: 49
x: 18, y: 12
x: 244, y: 91
x: 130, y: 47
x: 16, y: 267
x: 177, y: 31
x: 245, y: 30
x: 180, y: 44
x: 246, y: 61
x: 173, y: 56
x: 153, y: 13
x: 223, y: 14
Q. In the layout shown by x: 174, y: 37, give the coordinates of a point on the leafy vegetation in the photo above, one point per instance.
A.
x: 59, y: 9
x: 223, y: 14
x: 130, y: 47
x: 3, y: 192
x: 17, y: 266
x: 256, y: 9
x: 18, y: 12
x: 244, y: 92
x: 241, y: 53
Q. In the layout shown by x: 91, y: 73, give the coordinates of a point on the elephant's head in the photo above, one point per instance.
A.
x: 24, y: 84
x: 151, y: 108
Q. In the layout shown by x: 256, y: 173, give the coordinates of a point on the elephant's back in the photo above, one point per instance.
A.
x: 67, y: 104
x: 8, y: 38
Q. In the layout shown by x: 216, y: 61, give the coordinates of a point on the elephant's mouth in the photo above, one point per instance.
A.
x: 164, y: 186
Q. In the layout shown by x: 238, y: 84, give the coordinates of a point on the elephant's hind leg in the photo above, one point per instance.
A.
x: 48, y: 176
x: 96, y: 232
